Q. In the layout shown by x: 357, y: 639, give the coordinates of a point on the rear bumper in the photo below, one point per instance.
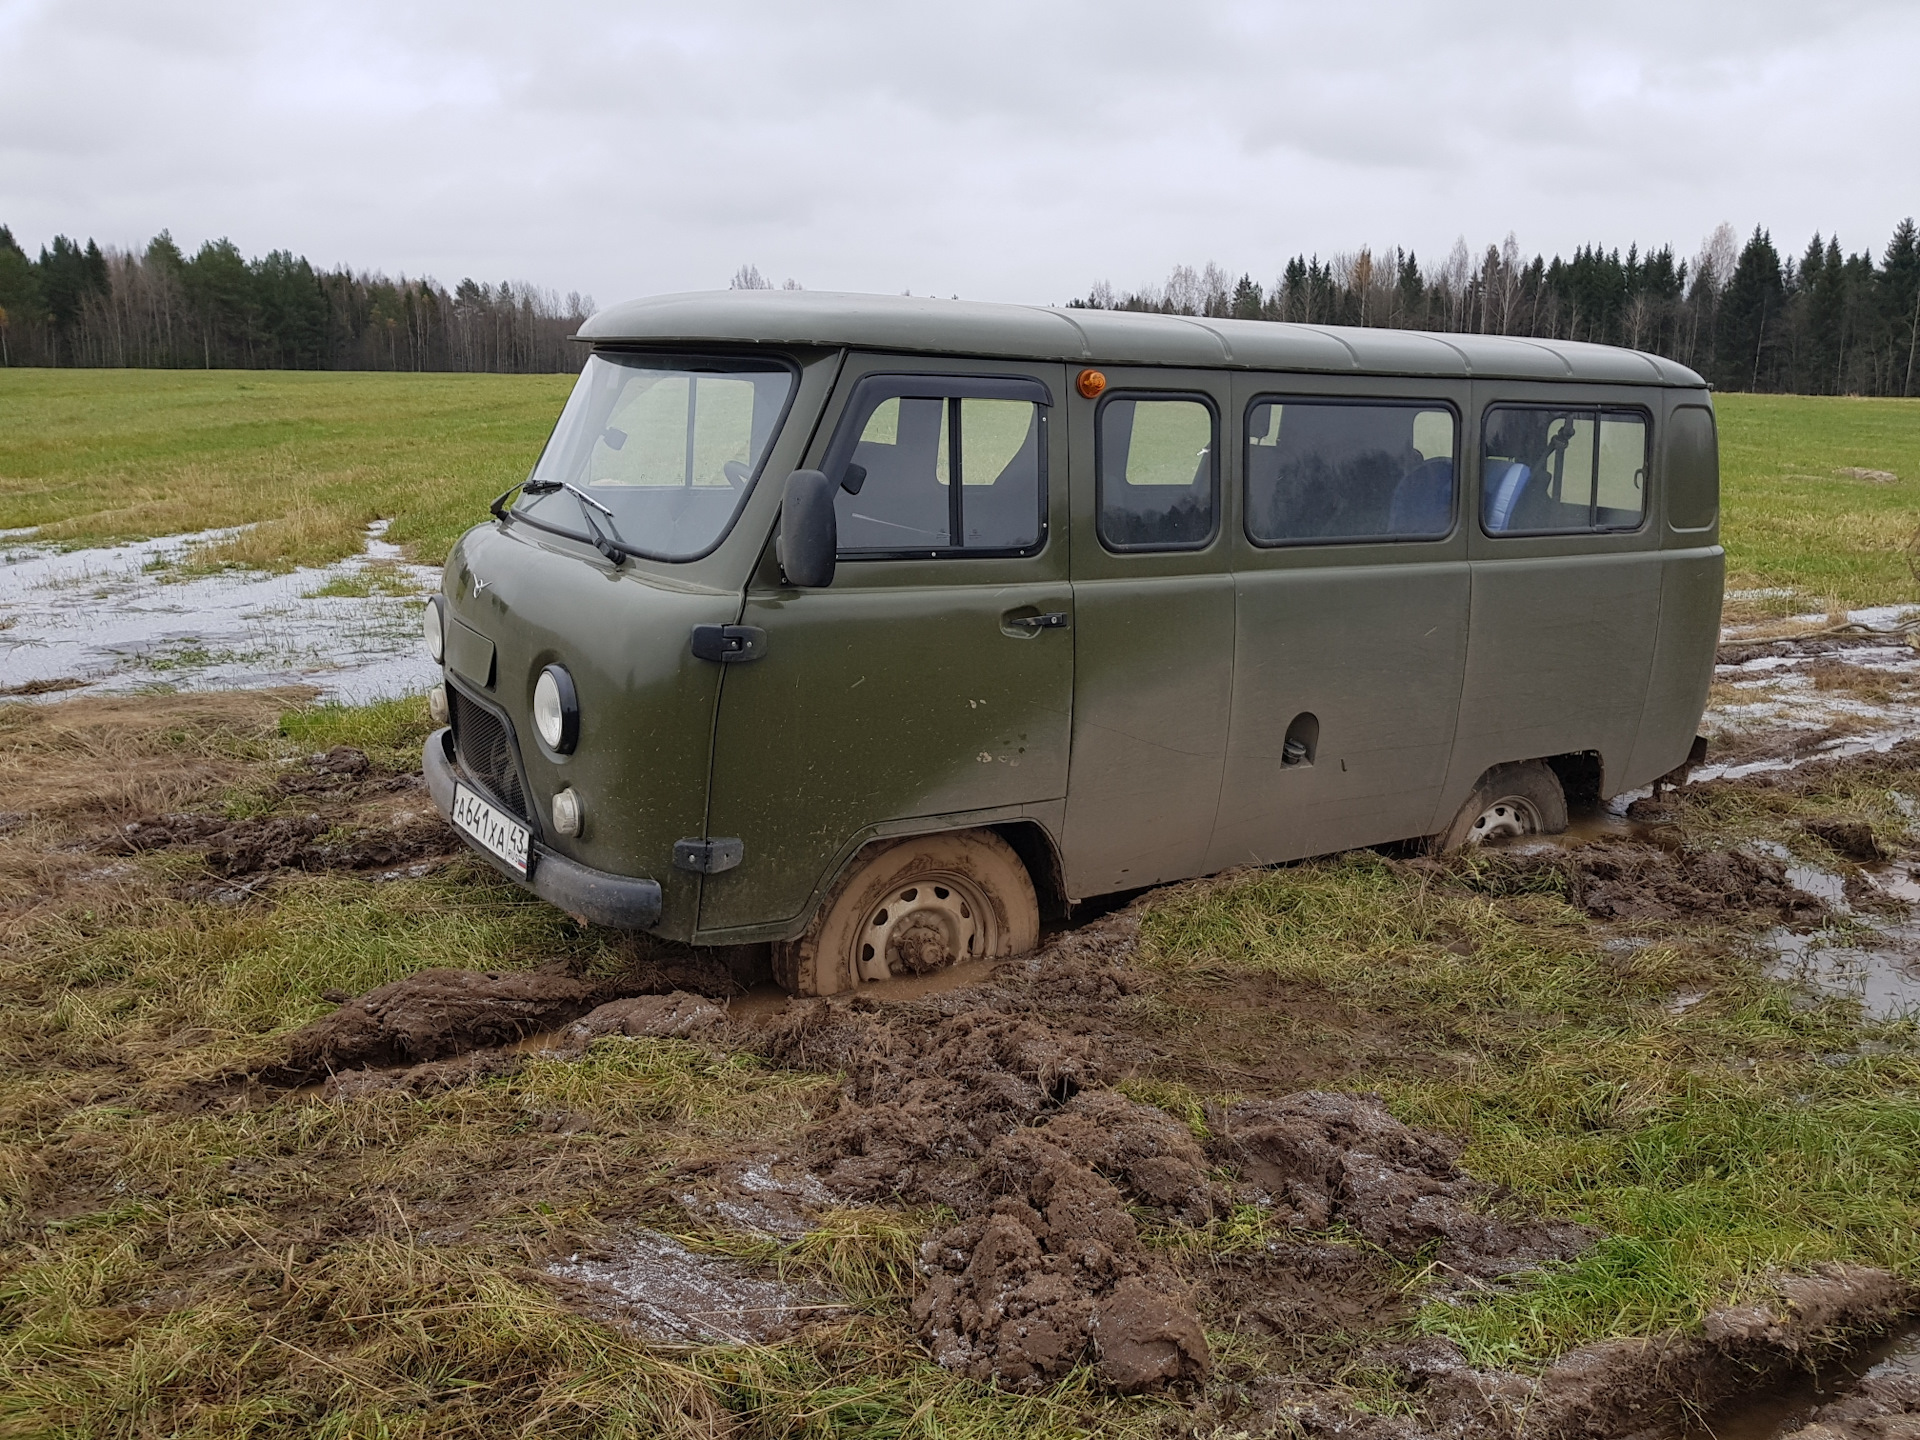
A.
x: 620, y: 901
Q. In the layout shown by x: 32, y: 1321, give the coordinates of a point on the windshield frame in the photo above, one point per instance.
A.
x: 720, y: 360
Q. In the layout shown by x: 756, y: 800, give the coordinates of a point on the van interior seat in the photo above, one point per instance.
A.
x: 1423, y: 500
x: 1504, y: 482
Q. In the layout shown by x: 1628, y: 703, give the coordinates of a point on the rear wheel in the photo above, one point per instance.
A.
x: 1510, y: 801
x: 913, y: 907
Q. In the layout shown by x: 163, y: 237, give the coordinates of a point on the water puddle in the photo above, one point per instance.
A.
x: 1834, y: 684
x: 1784, y: 1410
x: 124, y: 618
x: 653, y: 1284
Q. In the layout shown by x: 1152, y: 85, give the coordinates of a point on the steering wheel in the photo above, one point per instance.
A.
x: 736, y: 473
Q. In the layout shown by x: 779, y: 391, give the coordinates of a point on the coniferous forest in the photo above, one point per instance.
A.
x: 1825, y: 322
x: 1745, y: 316
x: 81, y: 305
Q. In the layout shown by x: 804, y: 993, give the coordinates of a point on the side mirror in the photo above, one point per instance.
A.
x: 809, y: 534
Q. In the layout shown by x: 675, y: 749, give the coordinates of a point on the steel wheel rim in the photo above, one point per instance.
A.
x: 1504, y: 819
x: 921, y: 925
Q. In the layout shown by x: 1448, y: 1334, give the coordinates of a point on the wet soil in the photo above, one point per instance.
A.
x: 1635, y: 882
x: 360, y: 819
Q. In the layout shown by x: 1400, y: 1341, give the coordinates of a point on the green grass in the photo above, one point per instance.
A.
x: 1790, y: 519
x: 94, y: 456
x: 99, y: 456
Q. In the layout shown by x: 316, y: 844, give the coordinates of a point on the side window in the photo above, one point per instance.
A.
x: 1693, y: 469
x: 1157, y: 472
x: 1547, y: 470
x: 1323, y: 471
x: 897, y: 492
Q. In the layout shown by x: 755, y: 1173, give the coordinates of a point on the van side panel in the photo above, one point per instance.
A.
x: 1374, y: 654
x: 1153, y: 678
x: 1558, y: 663
x: 1691, y: 590
x: 1683, y: 658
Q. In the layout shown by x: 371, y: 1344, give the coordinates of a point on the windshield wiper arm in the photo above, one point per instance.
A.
x: 616, y: 550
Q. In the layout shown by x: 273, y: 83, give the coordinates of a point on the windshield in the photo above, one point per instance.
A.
x: 667, y: 445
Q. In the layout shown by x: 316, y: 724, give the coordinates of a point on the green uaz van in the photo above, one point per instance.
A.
x: 881, y: 628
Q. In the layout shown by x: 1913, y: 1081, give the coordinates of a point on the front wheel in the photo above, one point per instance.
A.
x: 913, y: 907
x: 1510, y: 801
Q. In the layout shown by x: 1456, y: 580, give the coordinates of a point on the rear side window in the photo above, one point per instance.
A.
x: 1693, y: 469
x: 1327, y: 471
x: 1156, y: 464
x: 927, y: 474
x: 1552, y: 470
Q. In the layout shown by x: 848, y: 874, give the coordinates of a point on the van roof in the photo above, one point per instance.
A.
x: 1113, y: 337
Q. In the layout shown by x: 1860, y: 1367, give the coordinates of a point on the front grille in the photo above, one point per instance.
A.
x: 483, y: 741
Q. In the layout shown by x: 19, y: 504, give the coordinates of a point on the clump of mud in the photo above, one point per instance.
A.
x: 1318, y: 1158
x: 436, y: 1014
x: 1054, y: 1266
x: 1851, y: 839
x: 1630, y: 881
x: 420, y: 1081
x: 991, y: 1101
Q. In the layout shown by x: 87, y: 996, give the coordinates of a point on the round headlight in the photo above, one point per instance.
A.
x: 556, y: 712
x: 435, y: 629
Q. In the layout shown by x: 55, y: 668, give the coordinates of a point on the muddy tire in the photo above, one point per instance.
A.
x: 1510, y: 800
x: 911, y: 907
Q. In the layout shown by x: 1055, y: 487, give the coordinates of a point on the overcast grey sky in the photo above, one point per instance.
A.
x: 996, y: 150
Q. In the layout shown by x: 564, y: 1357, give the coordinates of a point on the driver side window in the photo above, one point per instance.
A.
x: 943, y: 475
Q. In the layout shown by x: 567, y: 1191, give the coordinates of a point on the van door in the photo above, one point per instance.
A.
x: 931, y: 684
x: 1153, y: 610
x: 1351, y: 567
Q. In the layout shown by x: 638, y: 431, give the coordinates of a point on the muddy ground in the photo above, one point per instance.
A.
x: 1089, y: 1172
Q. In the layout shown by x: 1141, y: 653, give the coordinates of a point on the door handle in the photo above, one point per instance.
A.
x: 1046, y: 620
x: 728, y: 644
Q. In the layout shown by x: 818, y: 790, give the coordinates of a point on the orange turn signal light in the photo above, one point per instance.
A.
x: 1091, y: 383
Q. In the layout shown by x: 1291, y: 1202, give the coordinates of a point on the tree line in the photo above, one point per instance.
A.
x: 1743, y: 316
x: 81, y: 305
x: 1746, y: 317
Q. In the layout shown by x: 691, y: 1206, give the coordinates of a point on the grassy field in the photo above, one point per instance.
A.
x: 93, y: 457
x: 101, y: 455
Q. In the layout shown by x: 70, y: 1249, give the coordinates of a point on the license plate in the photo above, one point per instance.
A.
x: 492, y: 827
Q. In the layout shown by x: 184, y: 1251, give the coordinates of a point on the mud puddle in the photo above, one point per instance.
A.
x: 1873, y: 955
x: 1855, y: 1396
x: 126, y: 618
x: 763, y: 1002
x: 1811, y: 687
x: 653, y: 1285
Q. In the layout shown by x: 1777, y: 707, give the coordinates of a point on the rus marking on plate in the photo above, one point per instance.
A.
x: 498, y: 831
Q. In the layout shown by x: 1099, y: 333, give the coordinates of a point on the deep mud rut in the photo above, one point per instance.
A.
x: 345, y: 816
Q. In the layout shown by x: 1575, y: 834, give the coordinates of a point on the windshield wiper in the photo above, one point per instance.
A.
x: 616, y: 550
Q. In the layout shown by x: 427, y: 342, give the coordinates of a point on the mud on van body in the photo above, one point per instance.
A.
x: 878, y: 628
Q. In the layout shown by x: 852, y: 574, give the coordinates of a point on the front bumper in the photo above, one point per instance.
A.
x: 621, y: 901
